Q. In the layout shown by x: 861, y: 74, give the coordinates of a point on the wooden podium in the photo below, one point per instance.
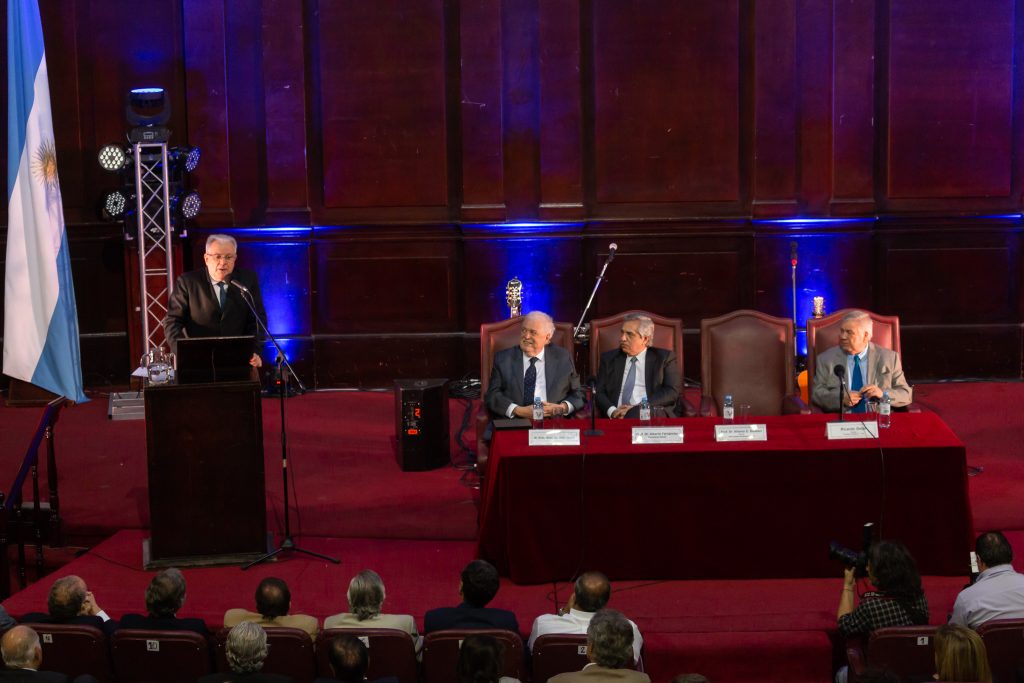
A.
x: 207, y: 497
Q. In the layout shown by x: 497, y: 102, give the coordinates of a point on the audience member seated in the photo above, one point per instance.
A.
x: 960, y: 655
x: 23, y: 656
x: 273, y: 602
x: 7, y: 622
x: 998, y: 593
x: 636, y: 370
x: 365, y: 599
x: 71, y: 602
x: 481, y: 660
x: 591, y: 593
x: 350, y: 659
x: 246, y: 649
x: 164, y: 597
x: 691, y: 678
x: 478, y: 586
x: 610, y: 651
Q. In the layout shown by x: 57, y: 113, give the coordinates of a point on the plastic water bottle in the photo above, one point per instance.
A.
x: 884, y: 411
x: 728, y: 413
x: 645, y: 409
x: 538, y: 412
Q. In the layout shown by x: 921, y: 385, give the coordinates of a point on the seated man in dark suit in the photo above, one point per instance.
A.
x: 350, y: 659
x: 533, y: 369
x: 203, y: 304
x: 164, y: 597
x: 246, y: 649
x: 71, y: 602
x: 634, y: 370
x: 479, y: 585
x: 23, y: 656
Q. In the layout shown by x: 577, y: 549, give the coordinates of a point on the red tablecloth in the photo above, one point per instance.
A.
x: 708, y: 510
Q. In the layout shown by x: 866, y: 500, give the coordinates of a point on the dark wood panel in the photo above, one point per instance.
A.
x: 666, y: 101
x: 377, y: 360
x: 974, y: 351
x: 382, y: 95
x: 853, y: 116
x: 520, y: 109
x: 950, y: 101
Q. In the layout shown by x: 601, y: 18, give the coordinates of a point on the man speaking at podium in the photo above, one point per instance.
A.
x: 204, y: 304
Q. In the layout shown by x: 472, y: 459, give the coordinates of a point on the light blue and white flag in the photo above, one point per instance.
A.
x: 40, y: 318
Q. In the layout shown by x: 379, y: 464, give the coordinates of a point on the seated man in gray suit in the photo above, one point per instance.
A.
x: 634, y: 370
x: 533, y: 369
x: 869, y: 369
x: 610, y: 651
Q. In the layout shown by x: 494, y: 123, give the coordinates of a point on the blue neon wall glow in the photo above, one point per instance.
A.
x: 528, y: 260
x: 283, y: 269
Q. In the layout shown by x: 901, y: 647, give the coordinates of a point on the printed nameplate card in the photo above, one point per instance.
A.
x: 851, y: 430
x: 554, y: 437
x: 655, y: 435
x: 741, y: 432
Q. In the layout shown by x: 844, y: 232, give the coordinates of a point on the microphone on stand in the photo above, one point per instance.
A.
x: 230, y: 279
x: 612, y: 248
x: 840, y: 372
x: 792, y: 254
x: 591, y: 386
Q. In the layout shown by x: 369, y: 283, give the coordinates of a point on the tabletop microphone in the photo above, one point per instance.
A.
x: 840, y: 372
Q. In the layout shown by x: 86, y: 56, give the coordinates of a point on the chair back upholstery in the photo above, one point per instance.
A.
x: 749, y: 355
x: 441, y: 653
x: 392, y: 653
x: 554, y: 654
x: 605, y: 332
x: 146, y: 656
x: 74, y: 649
x: 289, y: 653
x: 907, y: 651
x: 823, y: 334
x: 1004, y: 642
x: 504, y: 334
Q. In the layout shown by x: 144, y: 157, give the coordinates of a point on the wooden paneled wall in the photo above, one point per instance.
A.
x: 389, y: 165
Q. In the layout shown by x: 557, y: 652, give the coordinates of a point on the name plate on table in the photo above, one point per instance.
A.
x: 554, y: 437
x: 741, y: 432
x: 655, y: 435
x: 851, y: 430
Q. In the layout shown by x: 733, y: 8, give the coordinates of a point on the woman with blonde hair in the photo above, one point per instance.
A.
x: 960, y: 655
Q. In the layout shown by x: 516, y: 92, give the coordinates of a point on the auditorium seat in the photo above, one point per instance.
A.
x: 392, y: 652
x: 289, y: 653
x: 668, y: 334
x: 145, y: 656
x: 557, y: 653
x: 441, y: 653
x: 1004, y: 643
x: 74, y: 649
x: 493, y: 338
x: 908, y: 651
x: 749, y: 355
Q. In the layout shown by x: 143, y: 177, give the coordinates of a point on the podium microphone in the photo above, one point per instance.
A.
x: 840, y: 372
x: 232, y: 281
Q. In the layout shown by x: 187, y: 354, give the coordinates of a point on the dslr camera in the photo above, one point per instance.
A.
x: 851, y: 558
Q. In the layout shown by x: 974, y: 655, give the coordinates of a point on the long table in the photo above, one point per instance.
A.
x: 709, y: 510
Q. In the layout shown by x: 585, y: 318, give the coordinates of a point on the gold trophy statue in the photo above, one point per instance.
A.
x: 514, y: 297
x: 818, y: 307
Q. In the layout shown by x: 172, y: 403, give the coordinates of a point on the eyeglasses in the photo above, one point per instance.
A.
x: 222, y: 257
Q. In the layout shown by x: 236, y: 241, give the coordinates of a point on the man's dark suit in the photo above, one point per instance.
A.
x: 505, y: 387
x: 108, y: 626
x: 251, y: 677
x: 465, y: 616
x: 661, y: 377
x: 164, y: 623
x: 194, y: 311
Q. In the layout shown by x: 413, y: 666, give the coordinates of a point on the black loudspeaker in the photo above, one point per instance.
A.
x: 421, y: 424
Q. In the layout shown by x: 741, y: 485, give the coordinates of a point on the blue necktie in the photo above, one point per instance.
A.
x: 530, y: 382
x: 856, y: 382
x: 630, y: 383
x: 222, y: 290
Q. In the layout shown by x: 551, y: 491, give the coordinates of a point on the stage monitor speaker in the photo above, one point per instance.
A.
x: 421, y: 424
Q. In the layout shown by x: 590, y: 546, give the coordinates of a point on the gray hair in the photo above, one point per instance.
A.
x: 246, y: 647
x: 222, y: 238
x: 646, y: 327
x: 860, y: 318
x: 549, y: 322
x: 365, y: 594
x: 166, y: 593
x: 66, y: 597
x: 610, y: 636
x: 19, y: 648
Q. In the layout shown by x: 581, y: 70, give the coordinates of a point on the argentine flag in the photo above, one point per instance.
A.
x: 40, y: 318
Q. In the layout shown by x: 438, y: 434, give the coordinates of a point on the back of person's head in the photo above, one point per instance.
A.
x: 479, y: 583
x: 67, y: 595
x: 592, y: 591
x: 246, y: 647
x: 365, y: 594
x: 895, y: 572
x: 960, y: 655
x: 993, y: 549
x: 20, y: 648
x: 349, y: 658
x: 273, y: 599
x: 166, y: 593
x: 690, y: 678
x: 610, y: 637
x: 481, y: 660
